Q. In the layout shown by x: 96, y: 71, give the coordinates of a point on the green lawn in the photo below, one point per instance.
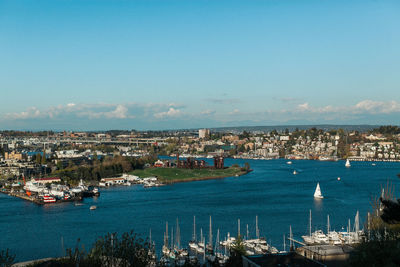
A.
x: 168, y: 175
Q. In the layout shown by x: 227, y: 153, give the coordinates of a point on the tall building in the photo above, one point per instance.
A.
x: 204, y: 133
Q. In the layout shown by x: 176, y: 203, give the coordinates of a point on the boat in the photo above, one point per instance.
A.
x: 93, y: 207
x: 373, y: 164
x: 338, y: 178
x: 317, y: 193
x: 289, y: 162
x: 347, y: 164
x: 294, y: 172
x: 48, y: 198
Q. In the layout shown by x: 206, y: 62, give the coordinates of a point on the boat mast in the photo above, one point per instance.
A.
x: 210, y: 237
x: 217, y: 241
x: 172, y: 237
x: 257, y: 231
x: 194, y: 228
x: 310, y: 222
x: 247, y: 232
x: 150, y: 236
x: 284, y: 243
x: 238, y: 227
x: 178, y: 233
x: 328, y: 228
x: 166, y: 234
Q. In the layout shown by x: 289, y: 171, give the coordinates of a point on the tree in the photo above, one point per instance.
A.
x: 38, y: 158
x: 247, y: 166
x: 391, y: 211
x: 237, y: 251
x: 6, y: 259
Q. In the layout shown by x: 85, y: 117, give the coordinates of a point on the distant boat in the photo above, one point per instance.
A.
x: 317, y: 193
x: 347, y: 163
x: 338, y: 178
x: 289, y: 162
x: 93, y: 207
x: 294, y: 172
x: 373, y: 164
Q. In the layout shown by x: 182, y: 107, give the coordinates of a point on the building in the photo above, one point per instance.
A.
x: 204, y: 133
x: 13, y: 155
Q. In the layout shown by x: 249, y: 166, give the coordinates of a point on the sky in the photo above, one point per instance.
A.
x: 154, y: 65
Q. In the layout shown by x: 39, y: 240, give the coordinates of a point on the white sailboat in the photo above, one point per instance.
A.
x: 317, y: 193
x: 347, y: 163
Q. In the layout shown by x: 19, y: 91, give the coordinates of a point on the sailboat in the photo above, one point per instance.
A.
x: 347, y: 163
x: 317, y: 193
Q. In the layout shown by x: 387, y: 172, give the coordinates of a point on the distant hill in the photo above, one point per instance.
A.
x: 291, y: 128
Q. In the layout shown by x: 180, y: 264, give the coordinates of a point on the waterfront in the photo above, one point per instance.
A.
x: 271, y: 191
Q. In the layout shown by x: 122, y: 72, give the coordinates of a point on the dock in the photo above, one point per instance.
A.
x: 38, y: 201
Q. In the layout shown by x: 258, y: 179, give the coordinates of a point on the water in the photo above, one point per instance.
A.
x: 271, y: 191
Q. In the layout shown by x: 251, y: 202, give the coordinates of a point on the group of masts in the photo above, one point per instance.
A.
x: 213, y: 250
x: 334, y: 237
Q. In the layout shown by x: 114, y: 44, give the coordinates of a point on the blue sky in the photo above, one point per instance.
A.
x: 87, y: 65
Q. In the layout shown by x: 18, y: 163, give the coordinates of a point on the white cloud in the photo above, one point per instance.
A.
x: 120, y: 112
x: 31, y: 113
x: 208, y: 112
x: 172, y: 112
x: 377, y: 107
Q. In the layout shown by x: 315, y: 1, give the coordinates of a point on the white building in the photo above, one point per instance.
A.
x: 204, y: 133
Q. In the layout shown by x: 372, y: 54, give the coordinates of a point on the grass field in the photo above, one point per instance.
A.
x: 171, y: 175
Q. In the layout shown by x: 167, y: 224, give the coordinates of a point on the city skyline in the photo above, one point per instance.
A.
x: 154, y: 65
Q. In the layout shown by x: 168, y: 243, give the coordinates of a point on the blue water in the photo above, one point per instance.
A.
x: 271, y: 191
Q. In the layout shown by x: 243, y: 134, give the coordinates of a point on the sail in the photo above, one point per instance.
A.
x: 347, y: 163
x: 317, y: 193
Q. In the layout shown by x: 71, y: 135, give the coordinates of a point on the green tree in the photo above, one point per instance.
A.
x: 237, y: 250
x: 6, y: 259
x: 38, y: 158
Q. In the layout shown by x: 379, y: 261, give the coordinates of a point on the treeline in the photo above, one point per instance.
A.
x: 388, y: 129
x: 107, y: 167
x: 26, y: 133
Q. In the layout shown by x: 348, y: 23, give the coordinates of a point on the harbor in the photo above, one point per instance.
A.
x: 271, y: 192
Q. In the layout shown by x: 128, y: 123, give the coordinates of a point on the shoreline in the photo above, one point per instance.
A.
x: 174, y: 181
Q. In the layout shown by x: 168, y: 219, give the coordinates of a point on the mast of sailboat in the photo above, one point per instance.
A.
x: 284, y: 243
x: 210, y: 235
x: 150, y: 237
x: 172, y: 237
x: 357, y: 222
x: 238, y: 227
x: 257, y: 231
x: 328, y: 227
x: 194, y: 228
x: 166, y: 234
x: 178, y: 234
x: 310, y: 222
x: 217, y: 241
x: 247, y: 232
x: 201, y: 235
x: 349, y: 230
x: 291, y: 238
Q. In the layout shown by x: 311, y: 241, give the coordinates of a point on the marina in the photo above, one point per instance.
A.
x: 271, y: 192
